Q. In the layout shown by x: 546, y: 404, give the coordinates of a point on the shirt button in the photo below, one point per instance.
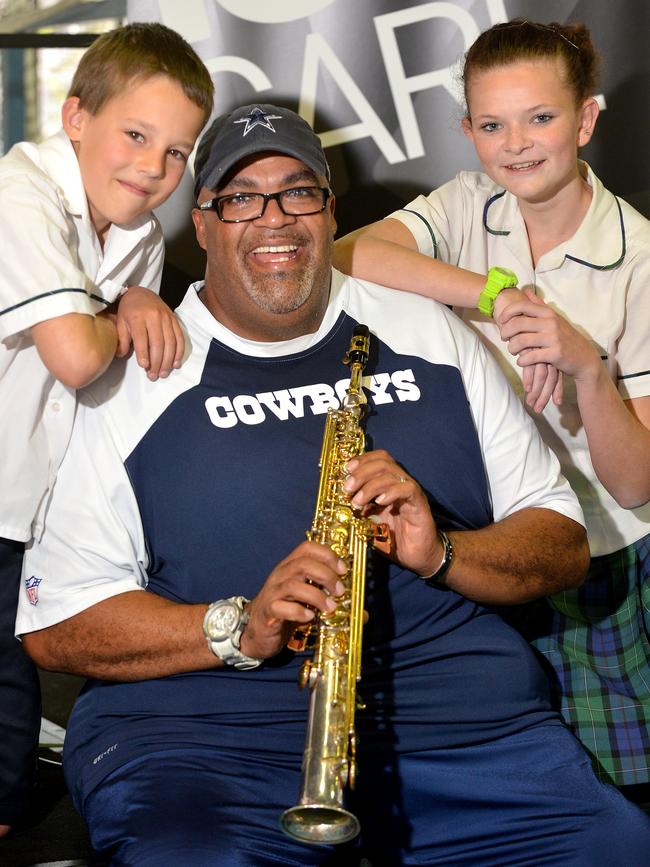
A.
x: 56, y: 406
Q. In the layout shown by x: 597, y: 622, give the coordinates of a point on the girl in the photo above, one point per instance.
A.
x: 584, y: 257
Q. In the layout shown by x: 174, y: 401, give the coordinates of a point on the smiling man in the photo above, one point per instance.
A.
x: 277, y: 267
x: 186, y: 744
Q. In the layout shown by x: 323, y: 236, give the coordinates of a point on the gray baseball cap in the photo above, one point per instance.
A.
x: 253, y: 129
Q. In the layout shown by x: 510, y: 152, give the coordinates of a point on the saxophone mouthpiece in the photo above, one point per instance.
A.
x: 356, y: 358
x: 359, y: 346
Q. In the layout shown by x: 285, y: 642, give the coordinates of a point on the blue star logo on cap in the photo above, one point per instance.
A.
x: 257, y: 117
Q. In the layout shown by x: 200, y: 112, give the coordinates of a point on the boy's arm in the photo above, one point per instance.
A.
x: 386, y: 252
x: 76, y: 348
x: 144, y: 320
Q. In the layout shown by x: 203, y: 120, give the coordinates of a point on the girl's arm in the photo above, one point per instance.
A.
x: 386, y: 252
x: 619, y: 438
x: 618, y: 431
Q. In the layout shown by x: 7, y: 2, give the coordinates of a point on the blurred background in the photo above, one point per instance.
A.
x: 377, y: 78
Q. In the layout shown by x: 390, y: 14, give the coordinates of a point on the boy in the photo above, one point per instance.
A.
x: 77, y: 239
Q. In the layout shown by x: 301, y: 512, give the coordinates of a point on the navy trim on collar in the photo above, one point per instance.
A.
x: 623, y: 246
x: 567, y: 255
x: 485, y: 212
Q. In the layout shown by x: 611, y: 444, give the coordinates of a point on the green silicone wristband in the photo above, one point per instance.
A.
x: 497, y: 279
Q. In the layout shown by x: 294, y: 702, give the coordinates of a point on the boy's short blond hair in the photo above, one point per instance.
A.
x: 137, y: 52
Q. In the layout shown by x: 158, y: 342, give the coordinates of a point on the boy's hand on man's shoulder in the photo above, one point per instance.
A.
x: 147, y: 323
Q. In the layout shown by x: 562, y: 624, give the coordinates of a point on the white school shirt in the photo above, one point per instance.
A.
x: 599, y: 280
x: 52, y: 264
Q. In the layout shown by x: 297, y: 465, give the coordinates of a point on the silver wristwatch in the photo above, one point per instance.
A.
x: 223, y: 625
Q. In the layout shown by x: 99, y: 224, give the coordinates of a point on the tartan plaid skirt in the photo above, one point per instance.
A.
x: 596, y: 639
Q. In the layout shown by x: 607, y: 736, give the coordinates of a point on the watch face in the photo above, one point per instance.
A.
x: 222, y: 620
x: 505, y: 273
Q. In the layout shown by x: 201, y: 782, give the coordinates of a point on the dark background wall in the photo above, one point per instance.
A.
x: 378, y: 80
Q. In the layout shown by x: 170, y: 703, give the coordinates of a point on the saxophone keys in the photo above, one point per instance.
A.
x: 304, y: 675
x: 300, y: 639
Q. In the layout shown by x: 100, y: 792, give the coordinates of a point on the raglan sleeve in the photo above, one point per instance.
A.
x: 92, y: 546
x: 632, y: 350
x: 522, y: 470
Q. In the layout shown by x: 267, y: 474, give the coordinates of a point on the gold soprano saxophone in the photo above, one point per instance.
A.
x: 329, y: 761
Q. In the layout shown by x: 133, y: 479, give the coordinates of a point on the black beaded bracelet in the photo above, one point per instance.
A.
x: 448, y: 556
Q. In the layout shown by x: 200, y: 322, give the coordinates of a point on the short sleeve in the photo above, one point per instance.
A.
x: 633, y: 346
x: 440, y: 220
x: 41, y: 276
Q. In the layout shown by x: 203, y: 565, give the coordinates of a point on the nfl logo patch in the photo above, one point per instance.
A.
x: 31, y: 585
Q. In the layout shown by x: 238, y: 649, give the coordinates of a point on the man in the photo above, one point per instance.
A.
x: 200, y: 488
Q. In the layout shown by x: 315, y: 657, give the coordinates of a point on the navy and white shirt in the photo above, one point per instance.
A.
x: 193, y: 488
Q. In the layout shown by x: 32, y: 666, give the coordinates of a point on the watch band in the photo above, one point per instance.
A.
x: 226, y: 646
x: 446, y: 562
x: 497, y: 279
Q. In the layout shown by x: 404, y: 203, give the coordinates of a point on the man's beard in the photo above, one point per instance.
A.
x: 286, y: 291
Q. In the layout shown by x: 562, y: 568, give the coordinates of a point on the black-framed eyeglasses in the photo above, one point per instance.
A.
x: 295, y: 202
